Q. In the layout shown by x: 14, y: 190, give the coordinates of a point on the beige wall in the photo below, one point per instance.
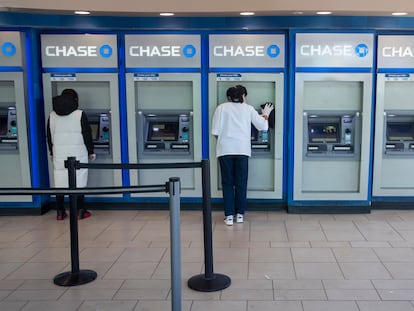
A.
x: 219, y: 7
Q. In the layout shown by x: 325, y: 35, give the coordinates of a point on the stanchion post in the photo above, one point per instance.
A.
x: 209, y: 281
x: 76, y: 276
x: 175, y: 243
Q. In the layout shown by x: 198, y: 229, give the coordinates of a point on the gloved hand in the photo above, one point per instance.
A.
x: 267, y: 109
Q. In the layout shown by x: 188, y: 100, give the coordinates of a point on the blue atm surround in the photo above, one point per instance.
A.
x: 32, y: 25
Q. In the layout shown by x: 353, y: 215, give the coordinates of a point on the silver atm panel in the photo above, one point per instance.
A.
x: 331, y: 136
x: 167, y: 133
x: 8, y: 129
x: 101, y: 131
x: 398, y: 134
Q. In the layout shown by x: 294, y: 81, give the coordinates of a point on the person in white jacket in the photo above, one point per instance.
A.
x: 69, y: 134
x: 231, y: 126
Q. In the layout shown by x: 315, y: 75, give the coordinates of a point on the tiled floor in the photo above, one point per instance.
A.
x: 276, y: 262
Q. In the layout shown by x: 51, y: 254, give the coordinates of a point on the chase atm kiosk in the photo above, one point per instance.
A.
x: 14, y: 152
x: 264, y: 56
x: 394, y: 121
x: 332, y: 121
x: 164, y: 108
x: 87, y: 64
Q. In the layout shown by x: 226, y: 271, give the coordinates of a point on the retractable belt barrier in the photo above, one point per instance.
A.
x: 207, y: 282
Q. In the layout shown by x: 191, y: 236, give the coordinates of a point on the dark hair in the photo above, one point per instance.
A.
x: 70, y: 93
x: 235, y: 93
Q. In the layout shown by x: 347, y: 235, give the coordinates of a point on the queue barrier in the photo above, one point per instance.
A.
x: 207, y: 282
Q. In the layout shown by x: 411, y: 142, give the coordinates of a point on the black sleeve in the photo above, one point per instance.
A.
x: 272, y: 119
x: 87, y: 133
x: 49, y: 138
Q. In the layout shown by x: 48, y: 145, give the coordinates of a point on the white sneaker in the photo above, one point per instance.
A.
x: 228, y: 220
x: 239, y: 218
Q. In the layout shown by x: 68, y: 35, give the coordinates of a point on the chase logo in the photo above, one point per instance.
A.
x: 361, y: 50
x: 105, y: 51
x: 8, y: 49
x: 188, y: 51
x: 336, y: 50
x: 271, y: 51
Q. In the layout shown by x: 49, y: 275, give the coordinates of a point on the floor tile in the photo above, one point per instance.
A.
x: 276, y: 261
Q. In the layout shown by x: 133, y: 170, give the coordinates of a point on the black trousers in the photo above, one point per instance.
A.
x: 61, y: 198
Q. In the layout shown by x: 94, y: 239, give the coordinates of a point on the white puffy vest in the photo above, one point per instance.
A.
x: 67, y: 139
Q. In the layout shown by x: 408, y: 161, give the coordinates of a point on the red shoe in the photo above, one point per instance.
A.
x: 83, y: 213
x: 61, y: 215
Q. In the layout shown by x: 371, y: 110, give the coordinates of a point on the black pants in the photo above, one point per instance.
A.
x: 61, y: 198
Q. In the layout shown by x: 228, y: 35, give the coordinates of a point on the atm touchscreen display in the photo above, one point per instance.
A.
x: 162, y: 131
x: 3, y: 125
x: 400, y: 131
x: 326, y: 132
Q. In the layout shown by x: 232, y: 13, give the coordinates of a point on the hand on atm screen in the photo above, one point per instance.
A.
x: 92, y: 157
x: 267, y: 108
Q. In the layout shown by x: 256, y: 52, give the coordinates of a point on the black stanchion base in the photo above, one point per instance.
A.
x: 73, y: 279
x: 202, y: 284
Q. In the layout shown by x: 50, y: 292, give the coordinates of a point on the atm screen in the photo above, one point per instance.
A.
x: 399, y: 131
x: 3, y: 125
x: 95, y: 130
x: 327, y: 132
x: 162, y: 131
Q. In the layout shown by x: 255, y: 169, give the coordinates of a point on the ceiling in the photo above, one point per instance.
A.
x: 211, y: 7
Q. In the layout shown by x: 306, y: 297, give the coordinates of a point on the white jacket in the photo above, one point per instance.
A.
x: 66, y: 135
x: 232, y: 124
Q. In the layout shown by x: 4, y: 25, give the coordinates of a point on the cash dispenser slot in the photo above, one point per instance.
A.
x: 399, y: 134
x: 166, y: 132
x: 100, y: 125
x: 8, y: 129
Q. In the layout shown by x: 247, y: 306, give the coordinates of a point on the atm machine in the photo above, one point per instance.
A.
x: 14, y: 147
x: 393, y: 169
x: 332, y: 123
x: 257, y: 62
x: 265, y: 178
x: 163, y: 84
x: 98, y: 98
x: 96, y: 82
x: 164, y: 122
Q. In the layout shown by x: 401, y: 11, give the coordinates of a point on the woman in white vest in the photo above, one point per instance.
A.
x: 69, y: 134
